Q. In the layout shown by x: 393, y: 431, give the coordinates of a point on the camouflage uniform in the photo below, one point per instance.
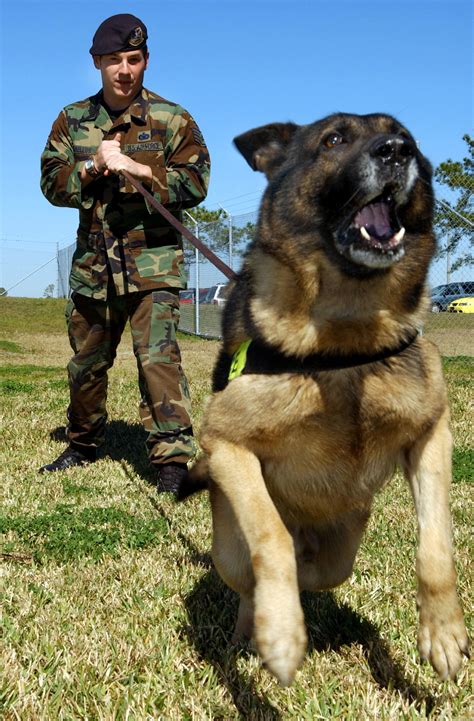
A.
x: 128, y: 263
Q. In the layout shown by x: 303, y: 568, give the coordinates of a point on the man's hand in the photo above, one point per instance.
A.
x: 110, y: 159
x: 106, y: 149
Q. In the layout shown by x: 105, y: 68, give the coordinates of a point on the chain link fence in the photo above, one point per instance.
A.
x: 202, y: 304
x: 64, y: 268
x: 451, y: 275
x: 451, y: 322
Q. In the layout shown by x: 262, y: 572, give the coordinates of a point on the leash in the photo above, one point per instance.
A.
x: 207, y: 252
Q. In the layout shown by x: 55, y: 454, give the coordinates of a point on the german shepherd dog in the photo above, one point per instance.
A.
x: 324, y: 383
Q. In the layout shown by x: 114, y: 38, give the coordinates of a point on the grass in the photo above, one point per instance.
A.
x: 46, y: 315
x: 66, y: 534
x: 111, y: 608
x: 9, y: 347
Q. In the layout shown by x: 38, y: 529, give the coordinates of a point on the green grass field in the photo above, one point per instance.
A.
x: 111, y: 608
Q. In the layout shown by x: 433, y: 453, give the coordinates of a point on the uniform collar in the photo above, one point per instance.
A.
x: 137, y: 110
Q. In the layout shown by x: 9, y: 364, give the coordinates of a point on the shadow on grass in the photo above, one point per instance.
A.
x: 67, y: 532
x: 212, y: 612
x: 123, y: 442
x: 127, y: 442
x: 332, y: 626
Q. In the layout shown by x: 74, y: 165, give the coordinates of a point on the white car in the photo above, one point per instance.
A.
x: 217, y: 294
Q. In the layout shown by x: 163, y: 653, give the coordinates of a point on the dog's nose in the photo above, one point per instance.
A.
x: 393, y: 150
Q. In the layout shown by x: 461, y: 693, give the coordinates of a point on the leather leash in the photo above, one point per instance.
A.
x: 207, y: 252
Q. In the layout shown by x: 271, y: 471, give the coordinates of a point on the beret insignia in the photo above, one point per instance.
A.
x: 136, y: 37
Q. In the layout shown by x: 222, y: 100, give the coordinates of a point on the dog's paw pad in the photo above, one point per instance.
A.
x: 444, y: 644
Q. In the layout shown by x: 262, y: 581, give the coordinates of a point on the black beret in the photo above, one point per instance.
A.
x: 119, y: 33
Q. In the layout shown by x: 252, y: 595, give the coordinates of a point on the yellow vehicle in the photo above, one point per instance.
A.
x: 461, y: 305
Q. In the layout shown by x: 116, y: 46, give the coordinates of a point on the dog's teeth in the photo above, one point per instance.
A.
x: 399, y: 236
x: 364, y: 233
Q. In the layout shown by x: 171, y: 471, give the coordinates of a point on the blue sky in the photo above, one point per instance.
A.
x: 234, y: 65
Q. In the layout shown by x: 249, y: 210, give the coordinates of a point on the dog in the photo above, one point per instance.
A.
x: 324, y: 383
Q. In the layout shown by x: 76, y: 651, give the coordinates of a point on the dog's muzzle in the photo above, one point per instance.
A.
x: 374, y: 235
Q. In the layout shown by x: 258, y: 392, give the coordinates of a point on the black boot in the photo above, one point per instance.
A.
x: 68, y: 458
x: 170, y: 476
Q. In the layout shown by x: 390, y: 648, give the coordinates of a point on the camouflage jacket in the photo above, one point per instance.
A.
x: 121, y: 238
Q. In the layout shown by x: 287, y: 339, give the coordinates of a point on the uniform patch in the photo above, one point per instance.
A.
x: 84, y: 151
x: 144, y: 136
x: 197, y: 135
x: 137, y: 147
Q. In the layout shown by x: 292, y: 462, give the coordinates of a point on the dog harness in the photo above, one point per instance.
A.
x: 257, y: 357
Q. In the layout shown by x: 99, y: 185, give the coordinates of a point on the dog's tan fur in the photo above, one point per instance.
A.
x: 293, y: 460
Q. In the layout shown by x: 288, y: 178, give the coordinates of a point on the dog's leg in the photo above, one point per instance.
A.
x: 231, y: 558
x: 279, y: 630
x: 442, y: 636
x: 244, y: 626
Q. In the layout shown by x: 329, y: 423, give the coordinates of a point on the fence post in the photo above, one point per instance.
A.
x: 57, y: 271
x: 196, y: 300
x: 196, y: 289
x: 231, y: 249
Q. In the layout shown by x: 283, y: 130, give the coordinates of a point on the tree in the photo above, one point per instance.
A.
x: 214, y: 230
x: 454, y: 219
x: 49, y: 291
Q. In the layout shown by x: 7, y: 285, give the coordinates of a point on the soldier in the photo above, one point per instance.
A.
x: 128, y: 264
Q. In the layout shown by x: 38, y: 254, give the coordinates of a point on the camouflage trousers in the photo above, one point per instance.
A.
x: 95, y: 329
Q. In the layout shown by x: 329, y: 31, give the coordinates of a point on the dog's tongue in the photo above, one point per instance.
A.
x: 375, y: 217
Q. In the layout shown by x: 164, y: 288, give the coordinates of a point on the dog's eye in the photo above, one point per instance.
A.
x: 333, y: 139
x: 406, y: 136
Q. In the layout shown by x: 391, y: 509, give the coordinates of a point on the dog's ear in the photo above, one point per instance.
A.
x: 265, y: 148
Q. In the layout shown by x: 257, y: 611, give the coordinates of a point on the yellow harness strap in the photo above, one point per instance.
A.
x: 239, y: 360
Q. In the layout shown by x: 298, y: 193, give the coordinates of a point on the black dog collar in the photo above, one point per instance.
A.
x: 256, y: 356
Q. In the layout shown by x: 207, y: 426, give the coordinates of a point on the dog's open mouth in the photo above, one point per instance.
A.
x: 374, y: 236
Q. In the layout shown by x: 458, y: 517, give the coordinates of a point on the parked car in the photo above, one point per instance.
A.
x: 189, y: 295
x: 442, y: 295
x: 462, y: 305
x: 205, y: 295
x: 218, y: 294
x: 186, y: 296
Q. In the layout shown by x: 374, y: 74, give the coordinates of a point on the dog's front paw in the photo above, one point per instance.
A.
x: 442, y: 638
x: 280, y: 635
